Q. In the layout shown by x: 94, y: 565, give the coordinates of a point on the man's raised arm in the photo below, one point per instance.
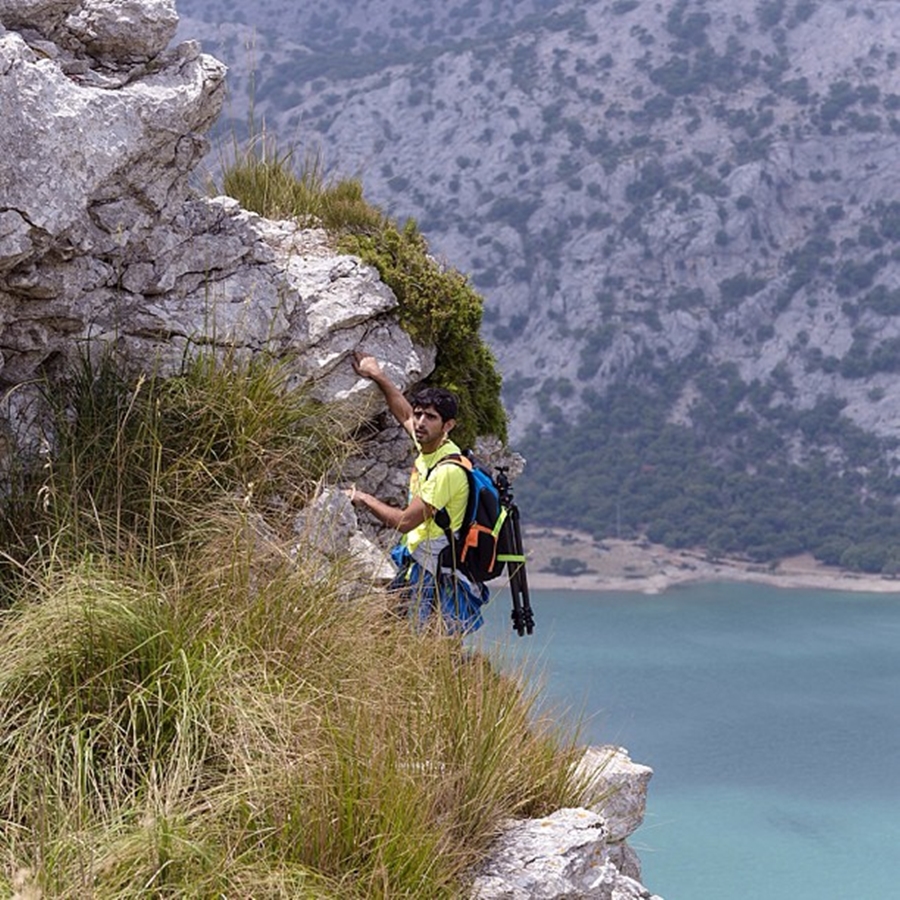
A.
x: 367, y: 366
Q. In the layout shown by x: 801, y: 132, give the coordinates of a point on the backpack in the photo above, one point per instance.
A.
x: 485, y: 544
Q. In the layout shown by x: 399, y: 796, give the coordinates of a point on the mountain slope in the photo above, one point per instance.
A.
x: 694, y: 204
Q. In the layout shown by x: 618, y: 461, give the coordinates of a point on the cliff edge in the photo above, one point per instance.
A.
x: 103, y: 243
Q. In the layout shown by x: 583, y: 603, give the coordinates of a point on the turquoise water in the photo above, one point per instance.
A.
x: 771, y: 719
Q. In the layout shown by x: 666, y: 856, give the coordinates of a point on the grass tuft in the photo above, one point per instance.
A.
x: 272, y: 182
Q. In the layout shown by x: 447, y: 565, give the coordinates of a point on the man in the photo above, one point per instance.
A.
x: 422, y: 583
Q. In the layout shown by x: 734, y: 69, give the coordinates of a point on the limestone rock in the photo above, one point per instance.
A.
x: 576, y: 853
x: 617, y: 788
x: 561, y: 857
x: 328, y: 524
x: 116, y: 30
x: 102, y: 238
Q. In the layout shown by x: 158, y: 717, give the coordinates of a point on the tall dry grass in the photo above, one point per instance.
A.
x: 188, y: 709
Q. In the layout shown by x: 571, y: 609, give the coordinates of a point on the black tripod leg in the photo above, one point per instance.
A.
x: 526, y: 604
x: 518, y: 614
x: 522, y: 612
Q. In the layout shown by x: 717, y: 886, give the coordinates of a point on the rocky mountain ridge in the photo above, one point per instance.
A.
x: 683, y: 217
x: 630, y: 184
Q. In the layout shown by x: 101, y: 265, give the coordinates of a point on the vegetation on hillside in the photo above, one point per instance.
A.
x: 437, y: 305
x: 655, y: 189
x: 194, y: 705
x: 730, y: 482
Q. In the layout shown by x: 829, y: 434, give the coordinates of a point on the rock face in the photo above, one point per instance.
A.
x: 576, y: 853
x: 102, y: 238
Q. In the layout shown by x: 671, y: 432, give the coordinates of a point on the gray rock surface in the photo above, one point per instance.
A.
x: 102, y: 238
x: 564, y: 856
x: 617, y: 788
x: 576, y: 853
x: 329, y: 524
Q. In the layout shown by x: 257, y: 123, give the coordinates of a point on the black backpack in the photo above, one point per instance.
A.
x: 489, y: 539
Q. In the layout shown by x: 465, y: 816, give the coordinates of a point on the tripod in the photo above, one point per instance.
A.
x: 522, y: 615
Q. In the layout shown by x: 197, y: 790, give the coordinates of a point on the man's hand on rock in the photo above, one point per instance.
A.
x: 365, y: 364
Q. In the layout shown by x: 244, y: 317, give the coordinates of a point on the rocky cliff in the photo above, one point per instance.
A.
x: 103, y: 240
x: 103, y: 243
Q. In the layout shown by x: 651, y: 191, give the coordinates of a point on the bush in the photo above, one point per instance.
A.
x: 740, y: 286
x: 134, y: 459
x: 567, y: 566
x: 854, y: 276
x: 651, y: 180
x: 439, y: 307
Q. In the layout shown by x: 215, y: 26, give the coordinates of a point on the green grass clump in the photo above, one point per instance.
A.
x: 265, y: 180
x: 437, y: 304
x: 135, y: 459
x: 189, y: 707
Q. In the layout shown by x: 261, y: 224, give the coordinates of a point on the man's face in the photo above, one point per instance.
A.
x: 430, y: 428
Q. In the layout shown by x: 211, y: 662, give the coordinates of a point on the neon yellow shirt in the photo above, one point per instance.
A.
x: 448, y: 487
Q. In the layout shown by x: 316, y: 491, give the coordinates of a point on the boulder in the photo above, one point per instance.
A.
x: 616, y: 788
x: 563, y: 856
x: 580, y: 852
x: 329, y: 526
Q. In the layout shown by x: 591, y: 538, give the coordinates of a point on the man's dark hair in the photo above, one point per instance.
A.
x: 444, y: 402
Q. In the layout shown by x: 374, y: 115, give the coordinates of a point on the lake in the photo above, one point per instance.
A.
x: 771, y: 719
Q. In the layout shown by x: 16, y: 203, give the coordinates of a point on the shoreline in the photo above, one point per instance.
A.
x: 642, y: 567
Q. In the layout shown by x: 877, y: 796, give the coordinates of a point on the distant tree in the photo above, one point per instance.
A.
x: 740, y: 286
x: 567, y: 566
x: 651, y: 179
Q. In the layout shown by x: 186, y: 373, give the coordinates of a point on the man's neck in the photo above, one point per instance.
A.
x: 431, y: 449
